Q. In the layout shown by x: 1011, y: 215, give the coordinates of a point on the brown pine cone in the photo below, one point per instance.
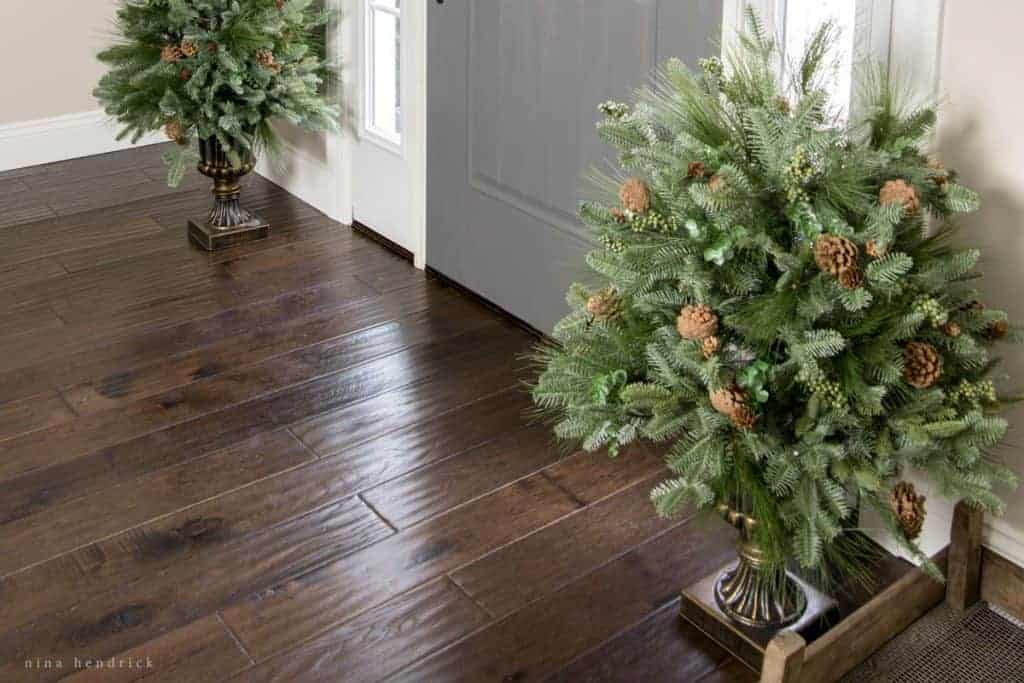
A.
x: 898, y: 191
x: 696, y: 169
x: 729, y: 401
x: 852, y: 278
x: 279, y: 4
x: 604, y: 304
x: 939, y: 176
x: 171, y: 53
x: 874, y: 250
x: 189, y: 49
x: 265, y: 58
x: 175, y: 131
x: 185, y: 74
x: 997, y: 330
x: 834, y: 254
x: 908, y: 508
x: 951, y: 329
x: 697, y: 322
x: 635, y: 196
x: 212, y: 48
x: 709, y: 346
x: 717, y: 183
x: 618, y: 214
x: 744, y: 418
x: 922, y: 364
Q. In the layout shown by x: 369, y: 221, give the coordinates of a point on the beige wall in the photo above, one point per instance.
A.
x: 50, y: 48
x: 981, y: 135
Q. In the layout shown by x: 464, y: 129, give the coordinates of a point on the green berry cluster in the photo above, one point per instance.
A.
x: 652, y: 221
x: 932, y: 310
x: 712, y: 67
x: 810, y: 375
x: 974, y: 393
x: 613, y: 110
x: 613, y: 244
x: 830, y: 392
x: 798, y: 172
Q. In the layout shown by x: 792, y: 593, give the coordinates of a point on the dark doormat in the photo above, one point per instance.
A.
x: 982, y: 645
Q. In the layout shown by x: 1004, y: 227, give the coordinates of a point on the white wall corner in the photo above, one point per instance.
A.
x: 43, y: 141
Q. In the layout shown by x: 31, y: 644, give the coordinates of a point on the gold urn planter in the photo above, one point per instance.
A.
x: 228, y: 223
x: 742, y: 606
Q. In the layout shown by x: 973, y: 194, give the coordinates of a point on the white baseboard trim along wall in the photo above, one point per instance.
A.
x: 43, y: 141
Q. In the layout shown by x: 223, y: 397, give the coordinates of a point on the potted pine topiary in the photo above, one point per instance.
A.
x: 218, y: 72
x: 780, y: 302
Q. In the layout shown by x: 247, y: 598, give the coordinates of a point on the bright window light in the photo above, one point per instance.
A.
x: 383, y: 80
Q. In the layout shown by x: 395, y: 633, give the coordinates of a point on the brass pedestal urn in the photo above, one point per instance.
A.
x: 750, y: 592
x: 228, y: 222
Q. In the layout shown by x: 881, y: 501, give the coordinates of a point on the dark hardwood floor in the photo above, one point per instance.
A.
x: 298, y: 459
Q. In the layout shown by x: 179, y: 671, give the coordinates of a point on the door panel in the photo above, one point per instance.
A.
x: 513, y: 91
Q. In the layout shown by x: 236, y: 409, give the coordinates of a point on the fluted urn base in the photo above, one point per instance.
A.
x: 748, y: 594
x: 228, y: 222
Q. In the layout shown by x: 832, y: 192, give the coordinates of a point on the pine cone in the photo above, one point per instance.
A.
x: 618, y: 214
x: 782, y: 105
x: 898, y: 191
x: 744, y: 418
x: 874, y: 250
x: 265, y: 58
x: 189, y: 49
x: 851, y: 278
x: 908, y: 508
x: 710, y: 345
x: 939, y: 176
x: 997, y: 330
x: 834, y: 254
x: 951, y: 329
x: 175, y: 131
x: 171, y: 53
x: 185, y: 74
x: 279, y: 4
x: 697, y: 322
x: 729, y: 401
x: 717, y: 183
x: 922, y: 364
x: 635, y: 196
x: 211, y: 47
x: 604, y: 304
x: 696, y: 169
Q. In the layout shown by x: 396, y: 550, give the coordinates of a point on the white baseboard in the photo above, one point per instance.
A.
x: 43, y: 141
x: 300, y: 174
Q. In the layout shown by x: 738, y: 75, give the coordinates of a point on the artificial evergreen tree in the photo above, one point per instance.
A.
x: 217, y: 69
x: 791, y: 317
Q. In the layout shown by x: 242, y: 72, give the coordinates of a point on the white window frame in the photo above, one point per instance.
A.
x: 382, y: 138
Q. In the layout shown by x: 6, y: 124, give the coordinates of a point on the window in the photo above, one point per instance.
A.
x: 383, y: 78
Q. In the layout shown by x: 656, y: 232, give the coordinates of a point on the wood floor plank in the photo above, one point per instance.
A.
x: 213, y: 564
x: 443, y: 379
x: 543, y: 638
x: 379, y: 642
x: 81, y: 363
x: 31, y: 273
x: 434, y: 489
x: 663, y: 647
x: 308, y: 605
x: 130, y: 385
x: 64, y: 442
x: 35, y: 412
x: 50, y: 236
x: 62, y: 528
x: 510, y: 578
x: 201, y: 651
x: 61, y: 583
x: 592, y: 476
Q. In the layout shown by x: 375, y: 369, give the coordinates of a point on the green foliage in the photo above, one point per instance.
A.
x: 745, y: 173
x: 217, y: 68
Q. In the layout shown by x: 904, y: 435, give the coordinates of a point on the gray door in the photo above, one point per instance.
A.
x: 513, y: 90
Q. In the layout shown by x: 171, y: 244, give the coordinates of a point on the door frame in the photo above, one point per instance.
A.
x: 345, y: 46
